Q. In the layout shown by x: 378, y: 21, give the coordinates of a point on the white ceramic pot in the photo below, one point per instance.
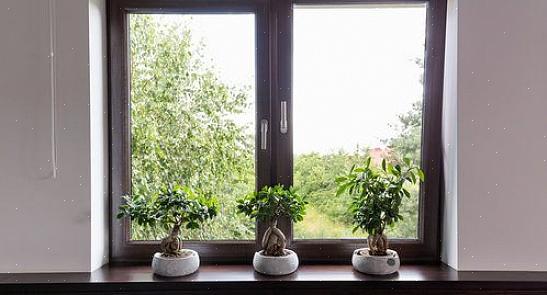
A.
x: 375, y: 265
x: 275, y: 265
x: 176, y: 266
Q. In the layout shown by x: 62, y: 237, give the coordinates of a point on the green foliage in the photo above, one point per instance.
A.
x: 174, y: 207
x: 327, y: 214
x: 270, y: 203
x: 313, y: 176
x: 408, y: 143
x: 378, y: 193
x: 184, y: 128
x: 184, y: 131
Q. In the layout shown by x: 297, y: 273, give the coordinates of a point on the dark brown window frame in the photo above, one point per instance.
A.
x: 274, y: 80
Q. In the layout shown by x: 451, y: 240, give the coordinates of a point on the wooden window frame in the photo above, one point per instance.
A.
x: 122, y: 248
x: 273, y: 19
x: 425, y: 248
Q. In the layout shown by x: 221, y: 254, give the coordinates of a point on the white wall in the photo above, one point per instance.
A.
x: 98, y: 133
x: 46, y: 222
x: 449, y: 237
x: 502, y: 135
x: 494, y: 141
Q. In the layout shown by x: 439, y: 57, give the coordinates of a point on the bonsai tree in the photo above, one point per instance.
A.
x: 268, y: 205
x: 175, y: 207
x: 377, y: 195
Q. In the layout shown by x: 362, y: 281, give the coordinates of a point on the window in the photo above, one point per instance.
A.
x: 364, y: 98
x: 192, y: 100
x: 199, y: 91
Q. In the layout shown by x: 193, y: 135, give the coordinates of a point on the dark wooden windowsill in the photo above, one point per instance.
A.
x: 309, y: 279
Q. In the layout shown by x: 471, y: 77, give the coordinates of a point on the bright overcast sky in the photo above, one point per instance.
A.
x: 354, y: 69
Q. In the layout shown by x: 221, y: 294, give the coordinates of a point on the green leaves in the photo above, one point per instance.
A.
x: 175, y: 206
x: 421, y: 174
x: 342, y: 188
x: 139, y: 209
x: 183, y: 131
x: 184, y: 126
x: 377, y: 193
x: 270, y: 203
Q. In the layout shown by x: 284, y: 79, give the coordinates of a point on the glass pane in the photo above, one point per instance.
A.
x: 193, y: 113
x: 358, y: 91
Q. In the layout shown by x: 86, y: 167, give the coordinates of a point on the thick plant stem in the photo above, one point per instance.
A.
x: 171, y: 245
x: 274, y: 241
x: 377, y: 244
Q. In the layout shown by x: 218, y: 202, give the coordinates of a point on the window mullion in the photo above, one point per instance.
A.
x: 281, y: 28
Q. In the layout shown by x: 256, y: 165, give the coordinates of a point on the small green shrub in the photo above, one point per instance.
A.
x: 377, y: 194
x: 175, y: 207
x: 268, y: 205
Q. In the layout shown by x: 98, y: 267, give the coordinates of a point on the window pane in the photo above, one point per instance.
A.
x: 192, y: 113
x: 358, y: 90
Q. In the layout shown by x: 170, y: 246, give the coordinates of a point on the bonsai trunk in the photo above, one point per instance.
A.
x: 377, y: 244
x: 171, y: 245
x: 274, y: 241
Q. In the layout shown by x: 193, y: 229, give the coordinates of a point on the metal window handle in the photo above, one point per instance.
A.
x: 264, y: 134
x: 283, y: 124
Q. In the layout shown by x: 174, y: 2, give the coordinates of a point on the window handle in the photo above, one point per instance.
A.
x: 283, y: 124
x: 264, y: 134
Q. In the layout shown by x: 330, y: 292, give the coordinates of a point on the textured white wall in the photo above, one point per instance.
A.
x: 502, y: 135
x: 98, y: 133
x: 449, y: 250
x: 494, y: 142
x: 45, y: 222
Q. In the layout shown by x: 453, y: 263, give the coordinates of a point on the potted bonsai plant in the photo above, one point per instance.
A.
x: 175, y: 208
x: 377, y: 194
x: 268, y: 205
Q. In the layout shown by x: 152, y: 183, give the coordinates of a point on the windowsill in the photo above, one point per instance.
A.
x: 243, y: 278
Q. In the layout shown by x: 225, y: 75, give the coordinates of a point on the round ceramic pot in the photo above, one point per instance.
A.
x: 176, y: 266
x: 375, y: 265
x: 275, y: 265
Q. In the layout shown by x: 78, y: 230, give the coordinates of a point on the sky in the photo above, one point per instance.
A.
x: 354, y: 69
